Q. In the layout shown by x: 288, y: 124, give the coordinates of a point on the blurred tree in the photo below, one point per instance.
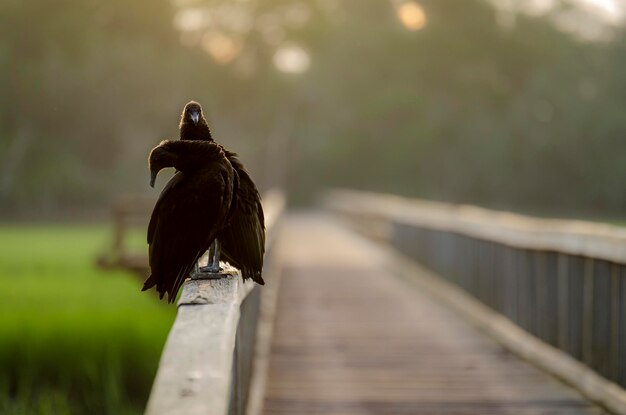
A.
x: 74, y: 73
x: 449, y: 102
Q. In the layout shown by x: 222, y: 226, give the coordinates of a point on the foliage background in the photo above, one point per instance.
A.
x: 517, y: 105
x: 485, y: 104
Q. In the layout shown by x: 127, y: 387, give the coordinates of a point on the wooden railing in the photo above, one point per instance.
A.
x: 128, y: 213
x: 207, y: 363
x: 563, y: 282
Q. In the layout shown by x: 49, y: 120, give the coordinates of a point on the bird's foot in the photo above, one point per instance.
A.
x: 212, y: 269
x: 208, y: 273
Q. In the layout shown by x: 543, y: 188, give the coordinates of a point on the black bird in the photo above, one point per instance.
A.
x: 243, y: 240
x: 192, y: 209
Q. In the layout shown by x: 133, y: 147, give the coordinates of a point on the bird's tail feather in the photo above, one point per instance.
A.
x: 251, y: 273
x: 149, y: 283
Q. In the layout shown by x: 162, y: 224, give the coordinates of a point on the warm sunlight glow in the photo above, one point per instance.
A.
x: 190, y: 19
x: 292, y: 59
x: 223, y: 49
x: 610, y: 10
x: 412, y: 15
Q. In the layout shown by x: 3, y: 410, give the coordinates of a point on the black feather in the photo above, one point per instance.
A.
x: 190, y: 212
x: 243, y: 240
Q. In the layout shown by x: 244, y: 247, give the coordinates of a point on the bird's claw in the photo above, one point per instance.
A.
x: 208, y: 273
x: 210, y: 269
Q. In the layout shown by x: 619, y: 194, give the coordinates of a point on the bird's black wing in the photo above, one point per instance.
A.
x: 184, y: 223
x: 243, y: 240
x: 166, y: 190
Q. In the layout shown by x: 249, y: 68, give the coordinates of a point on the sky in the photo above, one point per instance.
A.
x: 609, y: 11
x: 612, y: 11
x: 590, y: 20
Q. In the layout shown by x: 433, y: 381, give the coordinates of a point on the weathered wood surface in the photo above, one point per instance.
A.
x: 351, y: 338
x: 591, y: 239
x: 568, y: 308
x: 195, y: 368
x: 201, y: 359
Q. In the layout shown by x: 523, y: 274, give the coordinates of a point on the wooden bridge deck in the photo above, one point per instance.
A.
x: 352, y: 338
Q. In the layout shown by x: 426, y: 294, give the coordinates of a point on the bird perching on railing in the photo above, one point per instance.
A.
x: 192, y: 210
x: 210, y: 201
x: 242, y: 241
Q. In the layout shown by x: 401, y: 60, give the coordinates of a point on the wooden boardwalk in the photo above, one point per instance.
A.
x: 351, y: 338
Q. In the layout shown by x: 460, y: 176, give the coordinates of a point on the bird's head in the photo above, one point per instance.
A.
x: 192, y: 113
x: 160, y: 157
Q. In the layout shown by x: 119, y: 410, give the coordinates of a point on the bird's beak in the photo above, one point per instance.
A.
x: 153, y: 175
x: 195, y: 116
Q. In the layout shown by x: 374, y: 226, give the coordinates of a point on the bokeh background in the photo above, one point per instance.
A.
x: 510, y: 104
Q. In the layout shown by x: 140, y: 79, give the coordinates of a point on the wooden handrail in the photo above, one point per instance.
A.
x: 206, y: 363
x: 553, y: 291
x: 590, y: 239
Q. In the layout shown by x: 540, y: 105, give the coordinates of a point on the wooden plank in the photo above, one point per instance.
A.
x: 201, y: 361
x: 351, y: 337
x: 596, y: 240
x: 195, y: 368
x: 519, y: 341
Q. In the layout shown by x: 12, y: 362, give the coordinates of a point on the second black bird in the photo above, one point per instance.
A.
x: 193, y: 208
x: 243, y: 240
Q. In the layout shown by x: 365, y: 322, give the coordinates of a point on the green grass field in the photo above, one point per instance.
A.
x: 73, y: 339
